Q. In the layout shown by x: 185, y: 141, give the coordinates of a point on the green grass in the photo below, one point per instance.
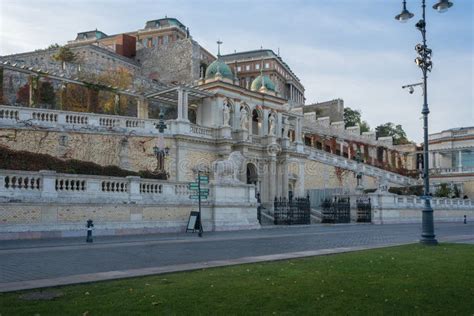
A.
x: 401, y: 280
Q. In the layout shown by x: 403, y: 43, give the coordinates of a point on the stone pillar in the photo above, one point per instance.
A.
x: 134, y: 188
x: 142, y: 108
x: 48, y: 186
x: 459, y: 161
x: 284, y: 183
x: 272, y: 179
x: 342, y: 148
x: 34, y: 90
x: 185, y: 105
x: 180, y: 104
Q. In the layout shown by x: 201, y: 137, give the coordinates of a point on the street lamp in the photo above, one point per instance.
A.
x: 424, y: 62
x: 160, y: 150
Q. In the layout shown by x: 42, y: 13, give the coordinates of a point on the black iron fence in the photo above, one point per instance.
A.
x: 294, y: 211
x: 336, y: 210
x: 364, y: 210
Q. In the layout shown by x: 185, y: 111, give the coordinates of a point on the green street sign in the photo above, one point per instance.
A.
x: 196, y: 197
x: 205, y: 191
x: 193, y: 186
x: 204, y: 178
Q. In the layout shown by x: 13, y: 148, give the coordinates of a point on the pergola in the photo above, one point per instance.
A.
x: 179, y: 95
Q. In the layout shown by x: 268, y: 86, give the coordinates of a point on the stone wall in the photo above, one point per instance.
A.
x: 319, y: 175
x: 176, y: 62
x: 129, y: 152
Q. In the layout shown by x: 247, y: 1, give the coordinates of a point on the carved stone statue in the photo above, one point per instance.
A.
x: 244, y: 119
x: 272, y: 125
x: 227, y: 170
x: 226, y: 111
x: 286, y: 127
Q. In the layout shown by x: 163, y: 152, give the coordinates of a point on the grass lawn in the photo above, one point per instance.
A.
x: 402, y: 280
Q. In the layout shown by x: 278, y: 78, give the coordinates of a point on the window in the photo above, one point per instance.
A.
x: 247, y: 67
x: 155, y: 41
x: 239, y: 69
x: 257, y: 66
x: 165, y: 39
x: 267, y: 65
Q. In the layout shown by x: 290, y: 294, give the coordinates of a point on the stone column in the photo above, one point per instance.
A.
x: 272, y: 178
x: 284, y: 183
x: 142, y: 108
x: 459, y: 161
x: 62, y: 96
x: 180, y: 104
x: 34, y: 90
x: 185, y: 105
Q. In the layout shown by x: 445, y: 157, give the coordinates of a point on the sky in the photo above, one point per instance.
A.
x: 348, y: 49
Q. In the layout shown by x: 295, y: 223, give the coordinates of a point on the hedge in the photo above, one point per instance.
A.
x: 28, y: 161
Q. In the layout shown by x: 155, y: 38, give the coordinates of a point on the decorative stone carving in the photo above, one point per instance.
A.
x: 244, y: 119
x: 226, y: 112
x: 272, y: 125
x: 227, y: 170
x: 286, y: 127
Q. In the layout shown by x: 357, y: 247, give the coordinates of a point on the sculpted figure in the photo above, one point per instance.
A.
x: 286, y: 127
x: 226, y: 114
x: 244, y: 118
x: 227, y: 170
x: 272, y: 125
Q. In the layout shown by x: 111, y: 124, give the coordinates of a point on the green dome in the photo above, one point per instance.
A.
x: 267, y: 82
x: 221, y: 67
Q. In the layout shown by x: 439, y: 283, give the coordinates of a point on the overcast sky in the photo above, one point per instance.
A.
x: 354, y: 50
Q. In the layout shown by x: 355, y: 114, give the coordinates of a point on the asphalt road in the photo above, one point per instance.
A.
x: 46, y: 259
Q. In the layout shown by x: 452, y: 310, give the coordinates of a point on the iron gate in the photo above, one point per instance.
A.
x: 336, y: 210
x: 364, y: 210
x: 295, y: 211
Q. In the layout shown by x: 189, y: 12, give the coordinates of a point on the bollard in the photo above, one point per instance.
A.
x: 465, y: 219
x: 89, y: 226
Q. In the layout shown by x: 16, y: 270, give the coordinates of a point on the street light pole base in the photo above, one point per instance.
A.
x: 429, y: 241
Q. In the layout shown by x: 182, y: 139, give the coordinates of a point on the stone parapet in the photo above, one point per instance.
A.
x: 368, y: 170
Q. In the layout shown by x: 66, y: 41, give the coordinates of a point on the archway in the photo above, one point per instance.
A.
x: 252, y: 174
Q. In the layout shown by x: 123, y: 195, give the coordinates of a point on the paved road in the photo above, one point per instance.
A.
x: 46, y: 259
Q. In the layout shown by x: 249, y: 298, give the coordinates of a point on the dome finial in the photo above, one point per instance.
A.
x: 219, y: 42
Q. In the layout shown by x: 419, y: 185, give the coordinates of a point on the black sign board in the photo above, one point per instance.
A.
x: 193, y: 223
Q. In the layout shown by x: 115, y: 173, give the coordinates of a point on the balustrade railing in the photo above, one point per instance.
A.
x: 366, y: 169
x: 48, y: 186
x: 24, y: 116
x: 414, y: 202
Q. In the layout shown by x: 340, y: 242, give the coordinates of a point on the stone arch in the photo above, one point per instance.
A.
x: 252, y: 174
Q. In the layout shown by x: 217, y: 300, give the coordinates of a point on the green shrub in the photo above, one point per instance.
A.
x: 28, y: 161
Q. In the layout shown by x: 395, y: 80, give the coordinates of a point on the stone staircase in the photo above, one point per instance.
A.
x: 365, y: 169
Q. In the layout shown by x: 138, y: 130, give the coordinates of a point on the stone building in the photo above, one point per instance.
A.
x: 451, y: 159
x: 252, y: 138
x: 248, y: 65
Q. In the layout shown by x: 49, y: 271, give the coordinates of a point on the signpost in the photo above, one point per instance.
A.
x: 199, y: 194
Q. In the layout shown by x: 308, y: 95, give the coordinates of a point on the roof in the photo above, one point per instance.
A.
x: 218, y: 66
x: 257, y: 54
x: 94, y: 34
x: 165, y: 22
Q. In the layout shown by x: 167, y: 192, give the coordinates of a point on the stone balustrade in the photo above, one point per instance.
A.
x: 392, y: 201
x: 49, y: 186
x: 11, y: 116
x: 368, y: 170
x: 442, y: 171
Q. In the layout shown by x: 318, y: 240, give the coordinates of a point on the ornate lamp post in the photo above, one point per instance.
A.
x: 160, y: 150
x: 424, y: 62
